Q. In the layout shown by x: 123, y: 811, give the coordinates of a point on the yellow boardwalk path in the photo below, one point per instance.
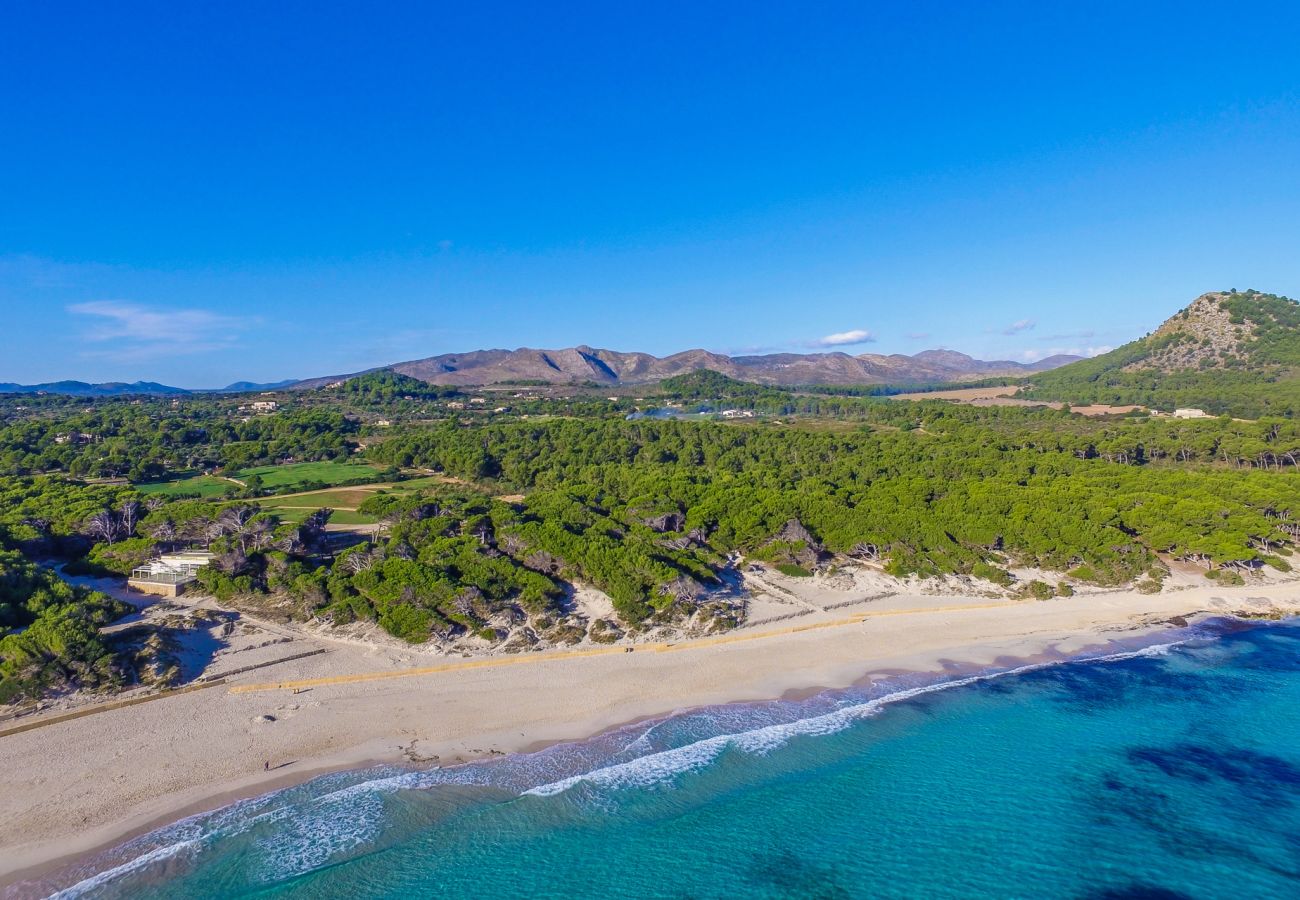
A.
x: 524, y: 659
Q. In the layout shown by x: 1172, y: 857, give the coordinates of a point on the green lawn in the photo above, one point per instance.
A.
x: 344, y: 497
x: 343, y: 500
x: 330, y: 473
x: 273, y: 477
x: 205, y: 486
x: 296, y: 507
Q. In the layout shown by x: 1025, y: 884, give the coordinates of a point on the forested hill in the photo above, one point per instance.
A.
x: 1229, y: 352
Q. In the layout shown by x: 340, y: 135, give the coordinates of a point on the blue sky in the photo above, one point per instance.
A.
x: 199, y: 193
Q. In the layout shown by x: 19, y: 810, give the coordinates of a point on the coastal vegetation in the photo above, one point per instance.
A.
x: 479, y: 516
x: 937, y: 498
x: 147, y: 441
x: 51, y: 639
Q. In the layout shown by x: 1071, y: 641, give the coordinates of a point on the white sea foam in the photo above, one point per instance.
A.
x: 158, y: 854
x: 658, y: 767
x: 319, y: 834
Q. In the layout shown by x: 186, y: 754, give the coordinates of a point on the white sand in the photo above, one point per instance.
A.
x: 77, y: 785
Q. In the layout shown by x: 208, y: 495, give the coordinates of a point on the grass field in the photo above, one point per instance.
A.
x: 300, y: 473
x: 294, y: 507
x: 205, y: 486
x: 273, y: 477
x: 344, y: 500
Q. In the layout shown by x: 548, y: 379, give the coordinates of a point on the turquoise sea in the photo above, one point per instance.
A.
x: 1168, y: 771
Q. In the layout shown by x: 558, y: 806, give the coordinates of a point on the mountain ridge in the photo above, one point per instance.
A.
x: 583, y: 363
x: 72, y: 388
x: 86, y: 389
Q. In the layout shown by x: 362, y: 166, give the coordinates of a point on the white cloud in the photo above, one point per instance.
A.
x: 1022, y: 325
x: 917, y: 335
x: 130, y: 332
x: 844, y: 339
x: 1036, y: 354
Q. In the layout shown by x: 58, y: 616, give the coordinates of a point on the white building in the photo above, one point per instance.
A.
x: 169, y: 574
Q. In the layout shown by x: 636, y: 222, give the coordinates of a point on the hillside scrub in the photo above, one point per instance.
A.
x: 1234, y: 353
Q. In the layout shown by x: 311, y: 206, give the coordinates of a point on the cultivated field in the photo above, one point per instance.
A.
x: 968, y: 395
x: 1005, y: 396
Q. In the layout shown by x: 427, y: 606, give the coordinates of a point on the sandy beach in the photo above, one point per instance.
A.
x: 77, y: 785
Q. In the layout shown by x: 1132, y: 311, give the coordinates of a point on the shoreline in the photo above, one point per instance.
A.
x: 130, y: 829
x: 811, y: 662
x: 957, y: 672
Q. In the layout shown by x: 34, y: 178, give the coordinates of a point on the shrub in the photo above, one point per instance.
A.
x: 1278, y: 563
x: 603, y: 631
x: 992, y: 573
x: 793, y: 570
x: 1041, y: 590
x: 122, y: 557
x: 409, y: 623
x: 1084, y: 573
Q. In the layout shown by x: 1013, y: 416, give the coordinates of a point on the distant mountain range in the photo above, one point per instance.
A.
x: 121, y: 388
x: 82, y: 389
x: 587, y: 364
x: 240, y: 387
x: 1230, y: 351
x: 582, y: 364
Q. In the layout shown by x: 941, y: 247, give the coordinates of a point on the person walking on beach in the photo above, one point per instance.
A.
x: 266, y: 766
